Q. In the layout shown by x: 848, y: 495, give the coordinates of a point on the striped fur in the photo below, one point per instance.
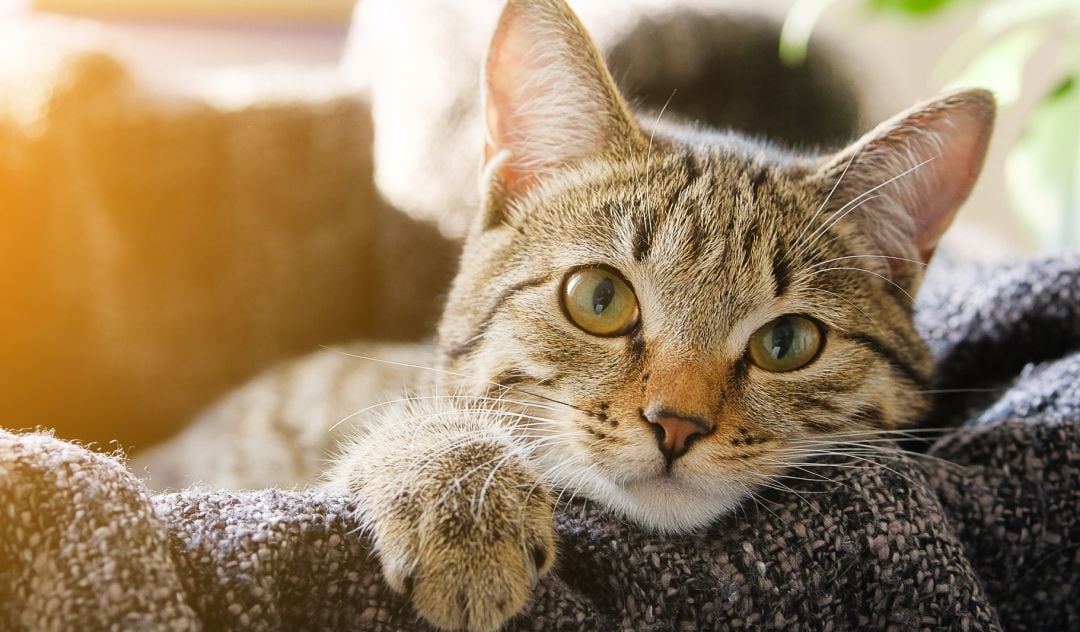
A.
x: 717, y: 235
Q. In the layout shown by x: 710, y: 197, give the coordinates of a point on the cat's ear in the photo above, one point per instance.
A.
x: 904, y: 180
x: 549, y: 99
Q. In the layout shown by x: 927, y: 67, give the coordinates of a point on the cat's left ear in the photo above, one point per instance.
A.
x: 549, y: 99
x: 910, y: 175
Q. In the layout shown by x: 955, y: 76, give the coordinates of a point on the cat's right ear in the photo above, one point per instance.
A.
x: 549, y: 100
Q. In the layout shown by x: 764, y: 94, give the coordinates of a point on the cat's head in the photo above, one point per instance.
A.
x: 705, y: 308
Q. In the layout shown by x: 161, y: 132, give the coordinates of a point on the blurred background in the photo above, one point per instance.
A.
x: 192, y: 190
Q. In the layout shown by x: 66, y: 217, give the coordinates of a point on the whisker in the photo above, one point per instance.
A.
x: 759, y: 502
x: 849, y: 302
x: 866, y: 448
x: 817, y: 478
x: 915, y: 261
x: 824, y: 228
x: 572, y: 485
x: 904, y: 432
x: 824, y: 203
x: 452, y: 374
x: 490, y: 478
x: 435, y: 398
x: 880, y: 276
x: 652, y: 134
x: 864, y: 459
x: 844, y: 210
x: 943, y: 391
x: 785, y: 488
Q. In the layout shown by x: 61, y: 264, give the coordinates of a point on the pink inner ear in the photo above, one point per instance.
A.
x: 964, y: 139
x: 507, y: 76
x: 549, y: 100
x: 511, y: 89
x: 506, y: 92
x: 963, y: 135
x: 514, y: 181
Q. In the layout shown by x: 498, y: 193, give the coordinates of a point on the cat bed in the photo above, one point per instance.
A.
x: 981, y: 532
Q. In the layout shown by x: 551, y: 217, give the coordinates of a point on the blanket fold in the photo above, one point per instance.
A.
x: 979, y: 533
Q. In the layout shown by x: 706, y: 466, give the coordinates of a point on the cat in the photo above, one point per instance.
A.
x: 653, y: 316
x: 649, y: 314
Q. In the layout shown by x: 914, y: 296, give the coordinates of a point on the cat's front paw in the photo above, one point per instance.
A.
x: 465, y: 533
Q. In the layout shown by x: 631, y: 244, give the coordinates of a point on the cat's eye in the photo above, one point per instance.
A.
x: 785, y: 344
x: 600, y: 302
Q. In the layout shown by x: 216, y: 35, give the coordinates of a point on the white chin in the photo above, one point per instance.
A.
x: 667, y: 505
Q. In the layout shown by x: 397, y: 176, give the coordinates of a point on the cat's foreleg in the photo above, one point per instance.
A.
x: 460, y: 519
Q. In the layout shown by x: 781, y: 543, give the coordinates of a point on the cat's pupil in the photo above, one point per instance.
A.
x: 783, y: 335
x: 602, y: 295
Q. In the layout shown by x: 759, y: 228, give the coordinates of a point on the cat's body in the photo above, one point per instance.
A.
x: 656, y: 318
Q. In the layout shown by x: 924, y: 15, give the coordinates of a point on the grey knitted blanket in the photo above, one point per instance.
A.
x: 980, y: 532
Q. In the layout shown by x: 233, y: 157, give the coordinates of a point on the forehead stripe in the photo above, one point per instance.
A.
x: 643, y: 236
x: 780, y: 270
x: 748, y: 242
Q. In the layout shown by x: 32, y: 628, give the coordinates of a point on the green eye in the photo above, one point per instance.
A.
x: 787, y: 343
x: 599, y: 302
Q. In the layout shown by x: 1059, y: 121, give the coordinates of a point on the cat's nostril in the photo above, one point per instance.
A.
x: 674, y: 434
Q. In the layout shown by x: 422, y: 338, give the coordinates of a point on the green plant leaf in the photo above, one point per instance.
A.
x: 1043, y: 169
x: 797, y: 28
x: 912, y: 7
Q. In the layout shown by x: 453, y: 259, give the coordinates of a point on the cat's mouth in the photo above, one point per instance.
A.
x: 642, y: 486
x: 669, y: 475
x: 664, y: 480
x: 659, y: 476
x: 671, y: 502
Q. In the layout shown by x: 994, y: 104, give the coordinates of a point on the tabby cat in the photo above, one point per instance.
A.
x: 652, y: 316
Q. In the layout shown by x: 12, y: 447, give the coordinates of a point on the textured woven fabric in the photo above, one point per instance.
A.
x: 981, y: 533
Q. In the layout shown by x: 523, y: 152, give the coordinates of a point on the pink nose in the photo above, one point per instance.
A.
x: 675, y: 434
